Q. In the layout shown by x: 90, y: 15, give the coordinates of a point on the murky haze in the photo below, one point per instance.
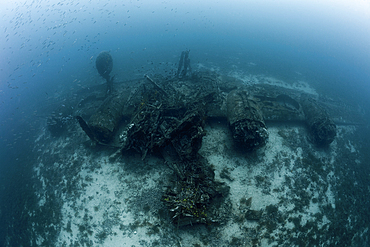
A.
x: 48, y: 49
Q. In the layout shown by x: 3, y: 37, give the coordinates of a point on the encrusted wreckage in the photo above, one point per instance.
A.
x: 245, y: 120
x: 321, y: 127
x: 167, y: 116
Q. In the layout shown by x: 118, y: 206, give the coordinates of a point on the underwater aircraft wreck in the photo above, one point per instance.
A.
x: 166, y: 116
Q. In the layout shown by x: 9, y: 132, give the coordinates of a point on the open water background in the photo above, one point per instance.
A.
x: 48, y: 48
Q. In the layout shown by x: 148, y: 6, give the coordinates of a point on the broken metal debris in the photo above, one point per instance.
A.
x: 194, y: 195
x: 156, y: 85
x: 159, y: 122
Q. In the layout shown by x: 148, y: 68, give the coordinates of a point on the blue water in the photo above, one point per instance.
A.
x: 49, y: 48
